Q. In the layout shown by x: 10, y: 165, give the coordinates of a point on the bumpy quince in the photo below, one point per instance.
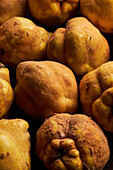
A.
x: 53, y: 13
x: 71, y: 142
x: 6, y: 91
x: 80, y: 46
x: 96, y: 95
x: 100, y: 13
x: 21, y: 40
x: 14, y: 145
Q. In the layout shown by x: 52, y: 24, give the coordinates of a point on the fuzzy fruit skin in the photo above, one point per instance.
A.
x: 14, y: 145
x: 80, y: 46
x: 102, y: 110
x: 58, y: 14
x: 10, y: 9
x: 21, y: 40
x: 100, y: 13
x: 96, y: 90
x: 76, y: 142
x: 44, y: 88
x: 6, y: 92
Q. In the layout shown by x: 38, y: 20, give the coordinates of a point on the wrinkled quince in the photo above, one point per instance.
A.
x: 14, y: 145
x: 100, y: 13
x: 6, y: 91
x: 73, y: 142
x: 21, y: 40
x: 53, y: 13
x: 96, y: 95
x: 80, y: 46
x: 44, y: 88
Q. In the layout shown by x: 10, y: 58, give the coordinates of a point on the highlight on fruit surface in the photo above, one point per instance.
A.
x: 6, y: 91
x: 66, y: 141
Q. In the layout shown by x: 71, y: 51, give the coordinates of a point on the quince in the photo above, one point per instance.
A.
x: 44, y: 88
x: 6, y: 91
x: 73, y: 142
x: 20, y: 40
x: 100, y: 13
x: 96, y: 95
x: 9, y: 9
x: 14, y: 145
x: 80, y: 46
x: 53, y: 13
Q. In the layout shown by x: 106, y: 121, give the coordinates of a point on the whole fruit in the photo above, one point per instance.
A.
x: 21, y: 40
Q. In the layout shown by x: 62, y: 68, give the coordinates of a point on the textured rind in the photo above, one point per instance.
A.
x: 21, y: 40
x: 89, y: 139
x: 100, y: 13
x: 80, y: 46
x: 96, y: 95
x: 57, y: 44
x: 102, y: 110
x: 45, y: 87
x: 9, y: 9
x: 59, y: 11
x: 14, y: 145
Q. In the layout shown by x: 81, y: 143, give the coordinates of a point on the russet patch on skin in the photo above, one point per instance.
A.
x: 45, y: 87
x: 77, y: 142
x: 10, y: 9
x: 21, y: 40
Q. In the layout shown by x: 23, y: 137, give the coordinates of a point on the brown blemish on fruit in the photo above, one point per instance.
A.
x: 83, y: 146
x: 15, y: 23
x: 3, y: 155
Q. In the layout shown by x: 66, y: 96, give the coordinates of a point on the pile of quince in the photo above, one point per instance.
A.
x: 56, y: 84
